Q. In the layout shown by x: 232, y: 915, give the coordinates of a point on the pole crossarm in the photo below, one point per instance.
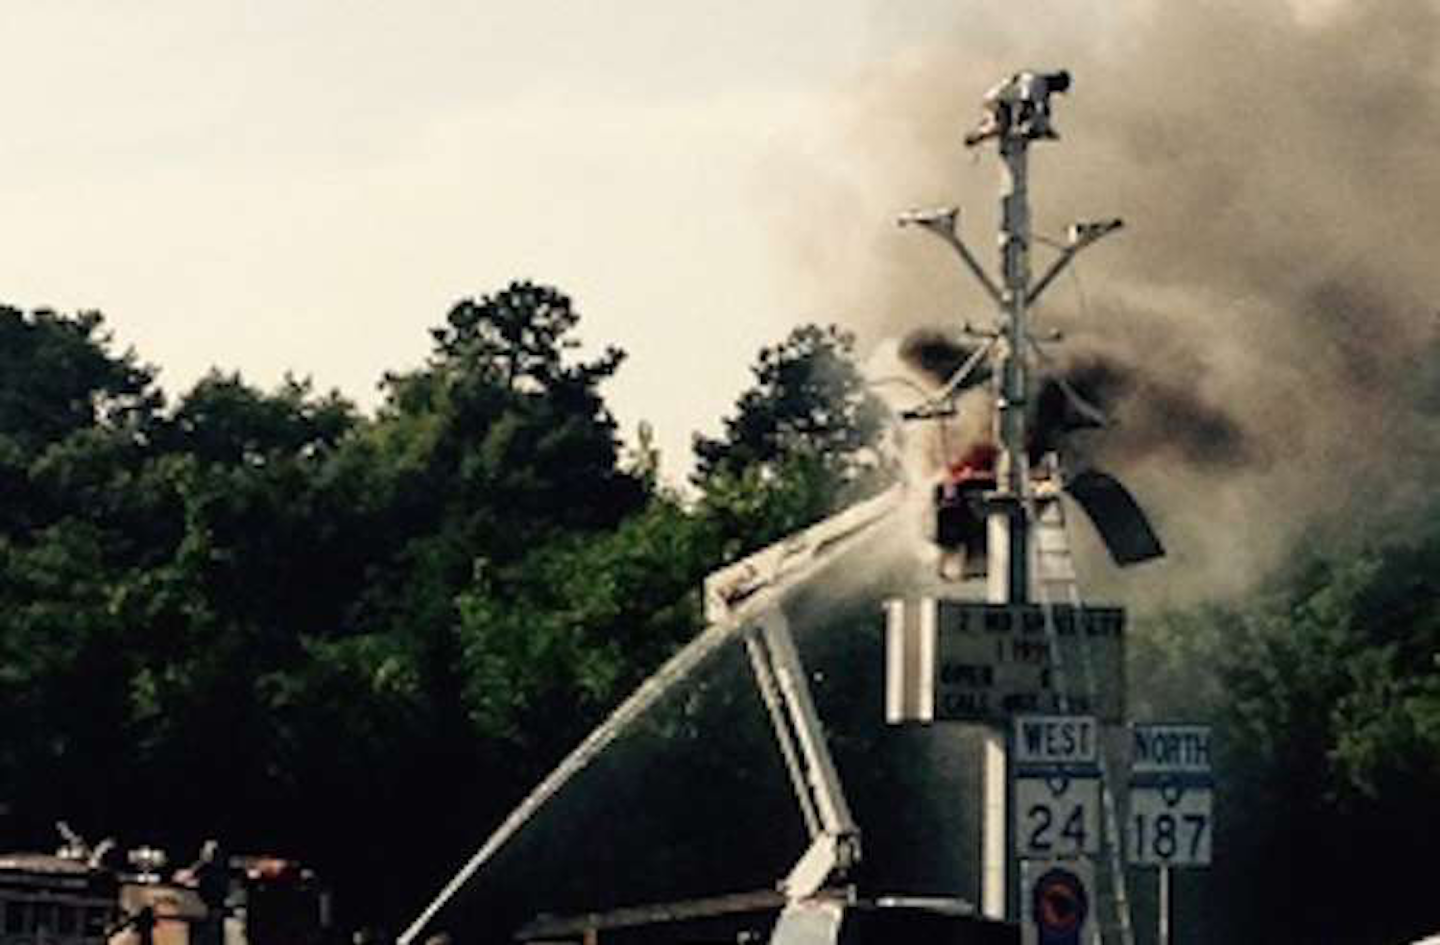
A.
x: 1081, y: 235
x: 1082, y: 404
x: 945, y: 223
x: 962, y: 374
x: 942, y: 403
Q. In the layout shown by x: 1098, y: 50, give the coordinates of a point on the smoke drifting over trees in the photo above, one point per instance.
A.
x: 1260, y: 329
x: 414, y: 613
x: 1264, y: 334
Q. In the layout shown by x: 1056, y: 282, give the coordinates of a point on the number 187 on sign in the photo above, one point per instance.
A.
x: 1170, y: 826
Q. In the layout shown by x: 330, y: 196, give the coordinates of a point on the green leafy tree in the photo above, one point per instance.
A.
x: 1323, y: 691
x: 222, y: 419
x: 64, y: 662
x: 57, y: 376
x: 805, y: 440
x: 59, y: 379
x: 808, y: 399
x: 75, y: 421
x: 497, y: 446
x: 502, y: 430
x: 499, y: 450
x: 551, y: 642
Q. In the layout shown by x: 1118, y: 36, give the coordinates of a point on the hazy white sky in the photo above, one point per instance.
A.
x: 308, y: 186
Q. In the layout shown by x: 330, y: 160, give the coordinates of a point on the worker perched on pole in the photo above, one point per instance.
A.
x: 1020, y: 104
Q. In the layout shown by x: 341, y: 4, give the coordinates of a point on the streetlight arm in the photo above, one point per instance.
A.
x: 1081, y: 236
x: 944, y: 223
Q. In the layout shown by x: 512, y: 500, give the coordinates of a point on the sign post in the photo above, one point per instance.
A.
x: 1164, y: 905
x: 1171, y: 804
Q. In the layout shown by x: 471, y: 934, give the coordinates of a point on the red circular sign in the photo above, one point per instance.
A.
x: 1060, y: 906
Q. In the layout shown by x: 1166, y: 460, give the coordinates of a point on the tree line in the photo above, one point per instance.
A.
x: 268, y: 617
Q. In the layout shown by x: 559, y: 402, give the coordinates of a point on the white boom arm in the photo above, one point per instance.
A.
x: 737, y: 598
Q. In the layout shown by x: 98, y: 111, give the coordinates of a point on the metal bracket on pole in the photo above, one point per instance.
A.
x: 940, y: 403
x: 945, y: 223
x: 1082, y: 405
x: 1081, y: 235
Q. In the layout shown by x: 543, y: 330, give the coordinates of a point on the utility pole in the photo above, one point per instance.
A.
x: 1016, y: 114
x: 1009, y: 526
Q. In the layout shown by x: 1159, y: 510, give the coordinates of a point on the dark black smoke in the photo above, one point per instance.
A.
x: 1147, y: 414
x: 936, y: 356
x: 1150, y: 417
x: 1260, y: 329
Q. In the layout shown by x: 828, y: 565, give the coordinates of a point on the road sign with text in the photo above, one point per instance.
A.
x: 1057, y: 792
x: 1172, y: 796
x: 1171, y: 826
x: 966, y: 661
x: 1050, y: 740
x: 1057, y: 816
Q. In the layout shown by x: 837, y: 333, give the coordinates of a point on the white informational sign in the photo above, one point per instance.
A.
x: 1170, y: 825
x: 1058, y: 902
x: 1057, y: 815
x: 966, y: 661
x: 1056, y: 740
x: 1171, y: 796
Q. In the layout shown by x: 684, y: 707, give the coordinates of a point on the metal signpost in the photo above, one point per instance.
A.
x: 1024, y: 651
x: 1171, y: 804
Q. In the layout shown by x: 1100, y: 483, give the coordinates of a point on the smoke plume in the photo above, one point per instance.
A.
x: 1261, y: 330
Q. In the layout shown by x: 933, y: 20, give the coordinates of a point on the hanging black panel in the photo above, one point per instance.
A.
x: 1117, y: 517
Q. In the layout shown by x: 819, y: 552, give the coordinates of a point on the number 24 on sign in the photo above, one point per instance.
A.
x: 1057, y: 817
